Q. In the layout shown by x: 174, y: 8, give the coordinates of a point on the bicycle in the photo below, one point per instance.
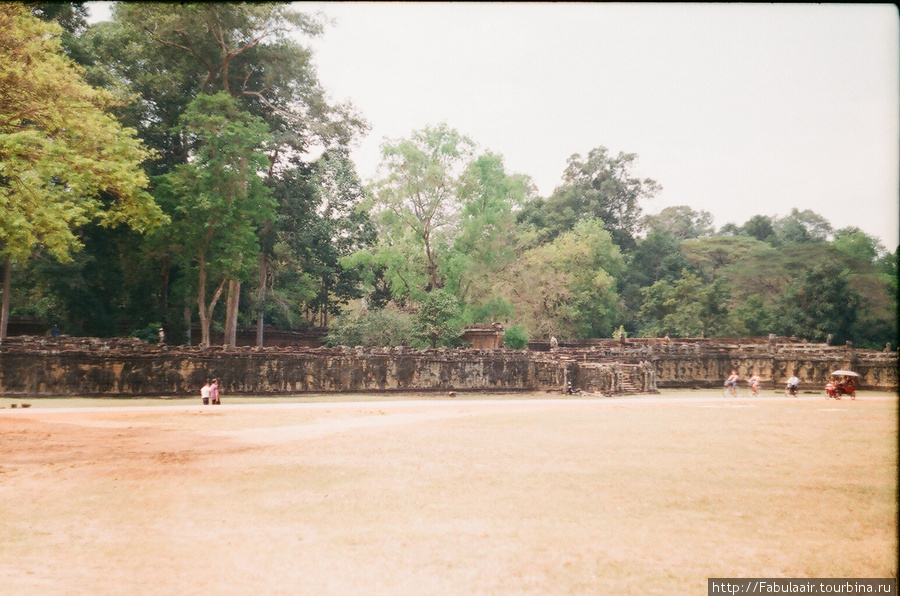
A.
x: 731, y: 391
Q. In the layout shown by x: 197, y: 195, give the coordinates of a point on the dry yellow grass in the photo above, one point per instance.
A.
x: 622, y: 496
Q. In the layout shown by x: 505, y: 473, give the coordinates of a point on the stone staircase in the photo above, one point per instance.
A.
x: 628, y: 387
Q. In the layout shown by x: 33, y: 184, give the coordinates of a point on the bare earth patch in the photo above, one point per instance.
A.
x: 440, y: 496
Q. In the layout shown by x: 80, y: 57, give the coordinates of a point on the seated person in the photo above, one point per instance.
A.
x: 793, y: 385
x: 732, y: 381
x: 753, y: 383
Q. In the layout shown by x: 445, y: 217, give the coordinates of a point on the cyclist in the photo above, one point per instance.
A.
x: 793, y: 385
x: 753, y: 384
x: 732, y: 383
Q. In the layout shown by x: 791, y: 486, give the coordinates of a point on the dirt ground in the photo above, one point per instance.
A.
x: 508, y: 495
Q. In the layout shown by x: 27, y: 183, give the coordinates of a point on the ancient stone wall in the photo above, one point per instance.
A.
x: 708, y: 362
x: 128, y: 367
x: 709, y: 365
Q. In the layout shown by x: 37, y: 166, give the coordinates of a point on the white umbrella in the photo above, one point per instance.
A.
x: 846, y: 373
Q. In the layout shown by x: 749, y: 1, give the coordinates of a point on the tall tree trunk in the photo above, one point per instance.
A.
x: 4, y: 309
x: 261, y: 299
x: 206, y: 311
x: 231, y: 314
x: 263, y: 274
x: 201, y: 306
x: 164, y: 290
x: 187, y: 322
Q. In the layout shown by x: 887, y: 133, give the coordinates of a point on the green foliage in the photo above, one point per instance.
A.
x: 757, y: 319
x: 599, y: 186
x: 415, y: 205
x: 319, y: 224
x: 373, y: 329
x: 437, y: 320
x: 149, y: 333
x: 857, y: 247
x: 494, y: 310
x: 688, y: 307
x: 516, y: 337
x: 709, y: 256
x: 568, y: 286
x: 487, y: 241
x: 217, y: 200
x: 659, y: 256
x: 802, y: 227
x: 760, y: 227
x: 821, y: 302
x: 682, y: 222
x: 65, y: 161
x: 229, y: 100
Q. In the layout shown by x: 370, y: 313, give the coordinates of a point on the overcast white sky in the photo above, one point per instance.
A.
x: 737, y: 109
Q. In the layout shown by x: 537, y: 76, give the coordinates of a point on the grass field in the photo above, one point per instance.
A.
x: 501, y: 494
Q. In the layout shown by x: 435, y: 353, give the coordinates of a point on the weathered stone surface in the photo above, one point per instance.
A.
x: 128, y: 367
x: 484, y: 336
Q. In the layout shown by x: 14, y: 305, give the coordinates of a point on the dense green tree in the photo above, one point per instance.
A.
x: 568, y: 287
x: 599, y: 186
x: 168, y: 54
x: 71, y: 16
x: 437, y: 319
x: 858, y: 247
x: 757, y: 318
x: 487, y: 241
x: 819, y: 303
x: 802, y: 227
x: 379, y: 328
x: 760, y: 227
x: 65, y: 161
x: 416, y: 205
x: 319, y: 223
x: 496, y: 309
x: 218, y: 198
x: 710, y: 255
x: 688, y: 307
x: 516, y: 337
x: 657, y: 257
x: 682, y: 222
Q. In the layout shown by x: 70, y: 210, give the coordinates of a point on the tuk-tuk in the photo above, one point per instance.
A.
x: 843, y: 382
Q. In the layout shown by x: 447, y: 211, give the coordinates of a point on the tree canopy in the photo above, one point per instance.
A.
x: 182, y: 166
x: 65, y: 161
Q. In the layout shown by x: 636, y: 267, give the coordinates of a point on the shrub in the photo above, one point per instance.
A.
x: 515, y: 337
x: 149, y: 334
x: 437, y: 321
x: 372, y: 329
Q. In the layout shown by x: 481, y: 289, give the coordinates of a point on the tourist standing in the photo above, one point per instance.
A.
x: 214, y: 392
x: 205, y: 392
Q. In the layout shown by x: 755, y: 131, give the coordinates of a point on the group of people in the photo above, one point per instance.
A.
x: 753, y: 383
x: 210, y: 392
x: 836, y: 387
